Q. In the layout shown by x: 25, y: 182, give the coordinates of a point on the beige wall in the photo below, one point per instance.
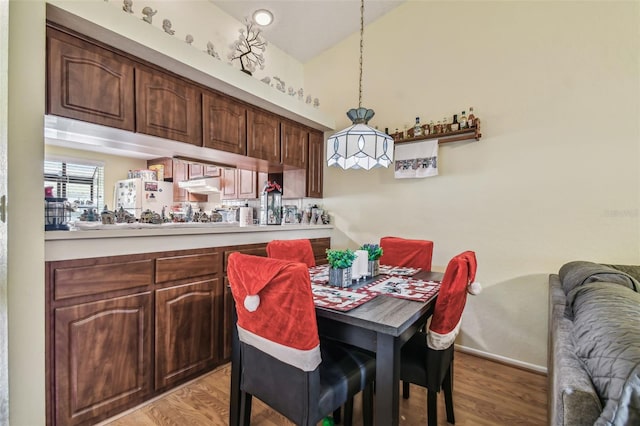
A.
x: 25, y: 218
x: 555, y: 177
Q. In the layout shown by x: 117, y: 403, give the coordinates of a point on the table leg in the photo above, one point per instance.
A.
x: 387, y: 381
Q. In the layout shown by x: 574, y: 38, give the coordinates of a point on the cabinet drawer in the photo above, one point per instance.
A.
x: 189, y: 266
x: 95, y: 279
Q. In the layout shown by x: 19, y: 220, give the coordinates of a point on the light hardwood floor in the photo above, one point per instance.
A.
x: 485, y: 393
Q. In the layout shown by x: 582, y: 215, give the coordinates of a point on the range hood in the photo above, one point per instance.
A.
x: 201, y: 186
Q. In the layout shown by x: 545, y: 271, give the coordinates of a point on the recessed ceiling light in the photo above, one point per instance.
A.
x: 263, y: 17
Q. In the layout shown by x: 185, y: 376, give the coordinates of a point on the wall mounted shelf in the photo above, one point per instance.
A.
x: 458, y: 135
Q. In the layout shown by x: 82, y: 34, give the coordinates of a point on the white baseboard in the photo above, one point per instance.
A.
x: 502, y: 359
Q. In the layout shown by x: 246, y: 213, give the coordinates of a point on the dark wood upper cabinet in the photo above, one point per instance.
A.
x: 294, y: 144
x: 168, y: 107
x: 89, y: 83
x: 315, y: 167
x: 224, y: 123
x: 263, y: 135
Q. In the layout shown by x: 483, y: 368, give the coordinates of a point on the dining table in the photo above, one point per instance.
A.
x: 381, y: 324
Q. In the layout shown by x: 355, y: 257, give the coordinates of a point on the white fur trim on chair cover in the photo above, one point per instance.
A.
x: 474, y: 288
x: 304, y: 360
x: 439, y: 341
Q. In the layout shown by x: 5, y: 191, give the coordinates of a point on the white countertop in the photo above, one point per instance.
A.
x: 64, y: 245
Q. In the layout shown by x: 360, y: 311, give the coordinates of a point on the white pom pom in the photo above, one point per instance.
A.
x: 252, y: 302
x: 474, y: 288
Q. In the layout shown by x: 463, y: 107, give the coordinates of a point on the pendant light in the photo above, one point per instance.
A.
x: 360, y: 146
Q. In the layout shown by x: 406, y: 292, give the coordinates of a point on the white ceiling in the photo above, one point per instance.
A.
x: 306, y: 28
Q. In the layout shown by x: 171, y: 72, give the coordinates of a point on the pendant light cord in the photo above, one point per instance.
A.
x: 361, y: 49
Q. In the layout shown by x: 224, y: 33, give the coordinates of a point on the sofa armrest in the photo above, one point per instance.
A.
x: 573, y: 400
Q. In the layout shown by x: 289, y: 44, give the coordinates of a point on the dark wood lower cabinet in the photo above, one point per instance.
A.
x: 102, y: 358
x: 111, y: 347
x: 123, y: 329
x: 187, y: 330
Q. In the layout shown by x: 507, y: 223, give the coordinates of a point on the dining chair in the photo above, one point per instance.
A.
x: 294, y: 250
x: 283, y: 362
x: 398, y: 251
x: 427, y: 358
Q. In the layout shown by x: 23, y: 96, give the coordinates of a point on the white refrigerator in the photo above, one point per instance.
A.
x: 137, y: 195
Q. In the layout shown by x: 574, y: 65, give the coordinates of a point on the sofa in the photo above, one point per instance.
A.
x: 594, y: 345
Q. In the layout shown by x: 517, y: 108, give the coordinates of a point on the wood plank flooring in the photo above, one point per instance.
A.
x: 485, y: 393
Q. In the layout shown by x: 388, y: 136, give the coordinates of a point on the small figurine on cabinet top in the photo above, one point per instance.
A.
x: 148, y: 14
x: 188, y: 39
x: 166, y: 26
x: 211, y: 50
x: 127, y: 6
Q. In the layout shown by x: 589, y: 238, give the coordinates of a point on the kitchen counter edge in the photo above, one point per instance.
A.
x: 65, y: 245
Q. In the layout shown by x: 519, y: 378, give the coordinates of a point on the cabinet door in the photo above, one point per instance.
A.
x: 181, y: 173
x: 294, y: 145
x: 247, y: 184
x: 315, y: 168
x: 187, y: 330
x: 102, y: 358
x: 229, y: 188
x: 196, y: 171
x: 88, y: 83
x: 165, y: 163
x: 224, y: 123
x: 263, y: 135
x: 168, y: 107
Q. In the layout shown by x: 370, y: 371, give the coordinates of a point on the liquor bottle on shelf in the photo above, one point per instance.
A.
x: 432, y: 127
x: 455, y: 125
x: 471, y: 120
x: 426, y: 130
x: 438, y: 127
x: 445, y: 125
x: 417, y: 129
x: 463, y: 121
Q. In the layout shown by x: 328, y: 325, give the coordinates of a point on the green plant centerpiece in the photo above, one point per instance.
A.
x: 340, y: 262
x: 375, y: 251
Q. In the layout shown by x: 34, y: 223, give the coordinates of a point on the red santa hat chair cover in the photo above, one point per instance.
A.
x: 405, y: 252
x: 275, y: 308
x: 458, y: 279
x: 281, y: 359
x: 427, y: 358
x: 298, y: 250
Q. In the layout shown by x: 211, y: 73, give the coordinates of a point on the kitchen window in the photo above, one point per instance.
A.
x: 80, y: 182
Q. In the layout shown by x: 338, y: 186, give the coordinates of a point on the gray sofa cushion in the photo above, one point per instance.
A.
x: 606, y: 335
x: 578, y: 273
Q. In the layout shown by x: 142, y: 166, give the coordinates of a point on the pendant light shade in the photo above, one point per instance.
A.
x: 360, y: 146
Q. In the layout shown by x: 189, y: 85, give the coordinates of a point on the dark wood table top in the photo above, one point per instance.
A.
x: 384, y: 314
